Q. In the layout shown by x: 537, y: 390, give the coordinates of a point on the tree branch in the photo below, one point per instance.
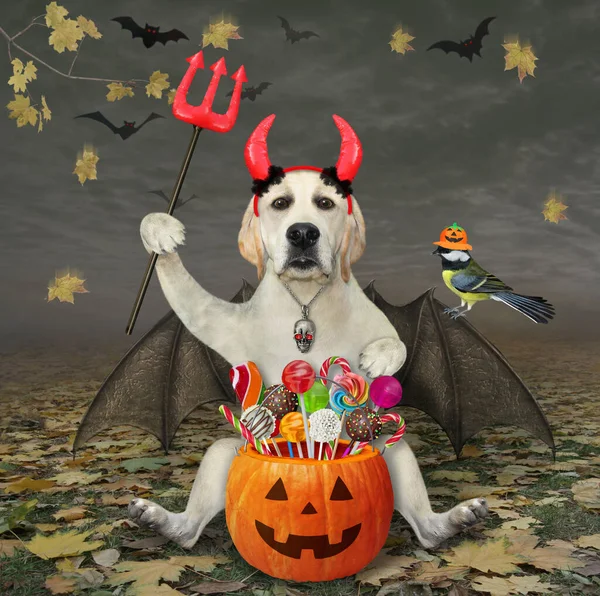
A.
x: 76, y: 56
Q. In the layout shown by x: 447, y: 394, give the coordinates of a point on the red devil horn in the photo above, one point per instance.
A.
x: 350, y: 151
x: 256, y: 152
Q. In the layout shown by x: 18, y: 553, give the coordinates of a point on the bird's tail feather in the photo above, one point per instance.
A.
x: 535, y: 308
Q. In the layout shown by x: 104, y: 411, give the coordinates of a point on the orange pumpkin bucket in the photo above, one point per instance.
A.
x: 307, y: 519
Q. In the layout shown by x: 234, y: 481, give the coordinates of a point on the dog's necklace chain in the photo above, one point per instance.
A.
x: 304, y: 329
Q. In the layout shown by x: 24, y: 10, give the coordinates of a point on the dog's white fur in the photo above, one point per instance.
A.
x: 348, y: 324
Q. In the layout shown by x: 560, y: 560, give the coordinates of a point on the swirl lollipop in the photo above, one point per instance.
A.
x: 298, y: 376
x: 292, y: 429
x: 386, y: 392
x: 325, y: 426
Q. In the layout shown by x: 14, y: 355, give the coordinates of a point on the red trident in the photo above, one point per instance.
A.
x: 201, y: 117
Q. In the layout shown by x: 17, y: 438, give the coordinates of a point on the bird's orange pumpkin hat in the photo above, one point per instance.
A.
x: 454, y: 238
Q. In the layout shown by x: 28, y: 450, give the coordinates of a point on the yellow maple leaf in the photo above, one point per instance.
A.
x: 70, y: 514
x: 219, y: 33
x: 171, y: 96
x: 22, y: 74
x: 489, y: 556
x: 65, y: 36
x: 46, y: 113
x: 22, y: 111
x: 592, y: 541
x: 24, y: 484
x: 521, y: 58
x: 204, y: 563
x: 430, y: 572
x: 145, y: 573
x: 158, y: 83
x: 30, y: 71
x: 554, y: 208
x: 63, y: 287
x: 88, y: 27
x: 400, y: 41
x: 75, y: 285
x: 67, y: 544
x: 55, y: 14
x: 118, y: 91
x: 85, y: 166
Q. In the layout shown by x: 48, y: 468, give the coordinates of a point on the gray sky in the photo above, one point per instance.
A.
x: 444, y: 140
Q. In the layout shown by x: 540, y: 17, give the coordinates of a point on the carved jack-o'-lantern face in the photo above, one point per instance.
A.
x: 309, y: 520
x: 455, y: 234
x: 454, y: 238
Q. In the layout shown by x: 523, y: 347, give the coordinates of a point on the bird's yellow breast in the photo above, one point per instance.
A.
x: 466, y: 296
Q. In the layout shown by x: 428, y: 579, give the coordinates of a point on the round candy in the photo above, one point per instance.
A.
x: 298, y: 376
x: 291, y: 427
x: 325, y: 426
x: 386, y: 392
x: 259, y: 421
x: 354, y: 385
x: 360, y: 421
x: 316, y: 398
x: 281, y: 402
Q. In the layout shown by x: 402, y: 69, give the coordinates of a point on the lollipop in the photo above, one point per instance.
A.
x: 292, y: 430
x: 325, y: 426
x: 247, y: 383
x: 341, y: 362
x: 316, y: 398
x: 298, y: 376
x: 386, y: 392
x: 241, y: 428
x: 280, y: 401
x: 355, y: 386
x: 259, y: 421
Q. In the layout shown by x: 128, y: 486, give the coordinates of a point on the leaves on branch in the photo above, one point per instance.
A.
x: 171, y: 95
x: 158, y: 83
x: 22, y: 74
x: 521, y: 58
x: 118, y: 91
x: 55, y: 14
x: 63, y: 287
x: 85, y: 166
x: 400, y: 41
x: 88, y: 27
x: 66, y: 36
x: 218, y: 34
x: 22, y: 110
x: 553, y: 208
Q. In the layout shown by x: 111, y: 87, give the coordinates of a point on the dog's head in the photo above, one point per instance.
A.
x: 310, y: 225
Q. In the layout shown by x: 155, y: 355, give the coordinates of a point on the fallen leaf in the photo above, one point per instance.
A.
x: 74, y: 285
x: 158, y: 83
x: 89, y: 27
x: 63, y: 287
x: 85, y: 166
x: 106, y: 558
x: 47, y: 527
x: 432, y: 573
x: 554, y: 556
x: 204, y: 564
x: 587, y: 493
x: 144, y: 543
x: 15, y: 515
x: 454, y: 475
x: 521, y: 523
x: 7, y: 547
x: 70, y: 514
x: 217, y: 587
x: 385, y: 566
x: 467, y: 491
x: 521, y: 58
x: 218, y: 34
x: 592, y: 541
x: 145, y: 573
x: 110, y: 500
x: 472, y: 451
x: 62, y: 545
x: 21, y: 110
x: 69, y: 565
x: 58, y: 584
x: 25, y: 484
x: 489, y: 556
x: 144, y: 463
x: 553, y: 209
x: 65, y: 36
x: 118, y: 91
x: 400, y: 41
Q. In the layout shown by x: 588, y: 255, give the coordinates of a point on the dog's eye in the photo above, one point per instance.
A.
x: 280, y: 203
x: 324, y: 203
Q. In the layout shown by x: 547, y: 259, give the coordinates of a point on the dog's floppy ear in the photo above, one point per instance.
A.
x: 250, y: 241
x: 354, y: 241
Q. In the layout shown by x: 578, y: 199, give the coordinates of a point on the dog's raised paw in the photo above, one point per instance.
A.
x: 382, y: 357
x: 161, y: 233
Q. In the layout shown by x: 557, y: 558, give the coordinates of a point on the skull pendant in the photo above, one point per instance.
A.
x: 304, y: 334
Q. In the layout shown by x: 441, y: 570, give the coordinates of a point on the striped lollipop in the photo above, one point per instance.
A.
x: 341, y: 362
x: 247, y: 383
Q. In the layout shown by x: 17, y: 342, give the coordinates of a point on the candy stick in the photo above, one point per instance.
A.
x: 329, y: 453
x: 320, y: 451
x: 393, y: 417
x: 337, y: 440
x: 276, y: 447
x: 241, y: 428
x: 342, y: 362
x: 290, y: 449
x: 309, y: 451
x: 291, y: 428
x: 360, y: 447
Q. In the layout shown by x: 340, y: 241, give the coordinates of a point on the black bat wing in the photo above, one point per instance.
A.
x: 448, y: 46
x: 307, y: 34
x: 153, y: 116
x: 100, y: 118
x: 286, y: 25
x: 159, y: 193
x: 129, y: 24
x: 482, y: 29
x: 262, y: 87
x: 456, y: 376
x: 172, y: 35
x: 166, y: 375
x: 190, y: 198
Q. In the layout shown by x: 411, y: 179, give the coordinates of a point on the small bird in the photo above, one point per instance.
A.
x: 471, y: 283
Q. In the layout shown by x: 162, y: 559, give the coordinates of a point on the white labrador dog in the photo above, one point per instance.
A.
x: 307, y: 236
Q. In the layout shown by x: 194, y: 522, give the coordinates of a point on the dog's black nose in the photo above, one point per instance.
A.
x: 303, y: 235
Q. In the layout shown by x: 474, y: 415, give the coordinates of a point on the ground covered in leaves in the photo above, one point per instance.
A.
x: 64, y: 527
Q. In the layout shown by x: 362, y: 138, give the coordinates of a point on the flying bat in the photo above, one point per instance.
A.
x: 452, y: 373
x: 149, y: 34
x: 294, y: 35
x: 468, y: 47
x: 162, y: 195
x: 251, y: 92
x: 125, y: 131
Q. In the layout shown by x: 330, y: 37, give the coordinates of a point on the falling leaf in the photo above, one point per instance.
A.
x: 85, y: 167
x: 592, y: 541
x: 58, y: 584
x: 217, y: 587
x: 55, y: 14
x: 46, y: 113
x: 587, y: 493
x: 171, y: 96
x: 118, y: 91
x: 24, y: 484
x: 65, y: 36
x: 385, y: 566
x: 70, y: 514
x: 88, y: 27
x: 554, y: 208
x: 63, y: 287
x: 158, y: 83
x: 400, y: 41
x: 144, y: 463
x: 21, y: 109
x: 16, y: 515
x: 490, y: 556
x: 219, y: 33
x: 106, y: 558
x: 521, y: 58
x: 67, y: 544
